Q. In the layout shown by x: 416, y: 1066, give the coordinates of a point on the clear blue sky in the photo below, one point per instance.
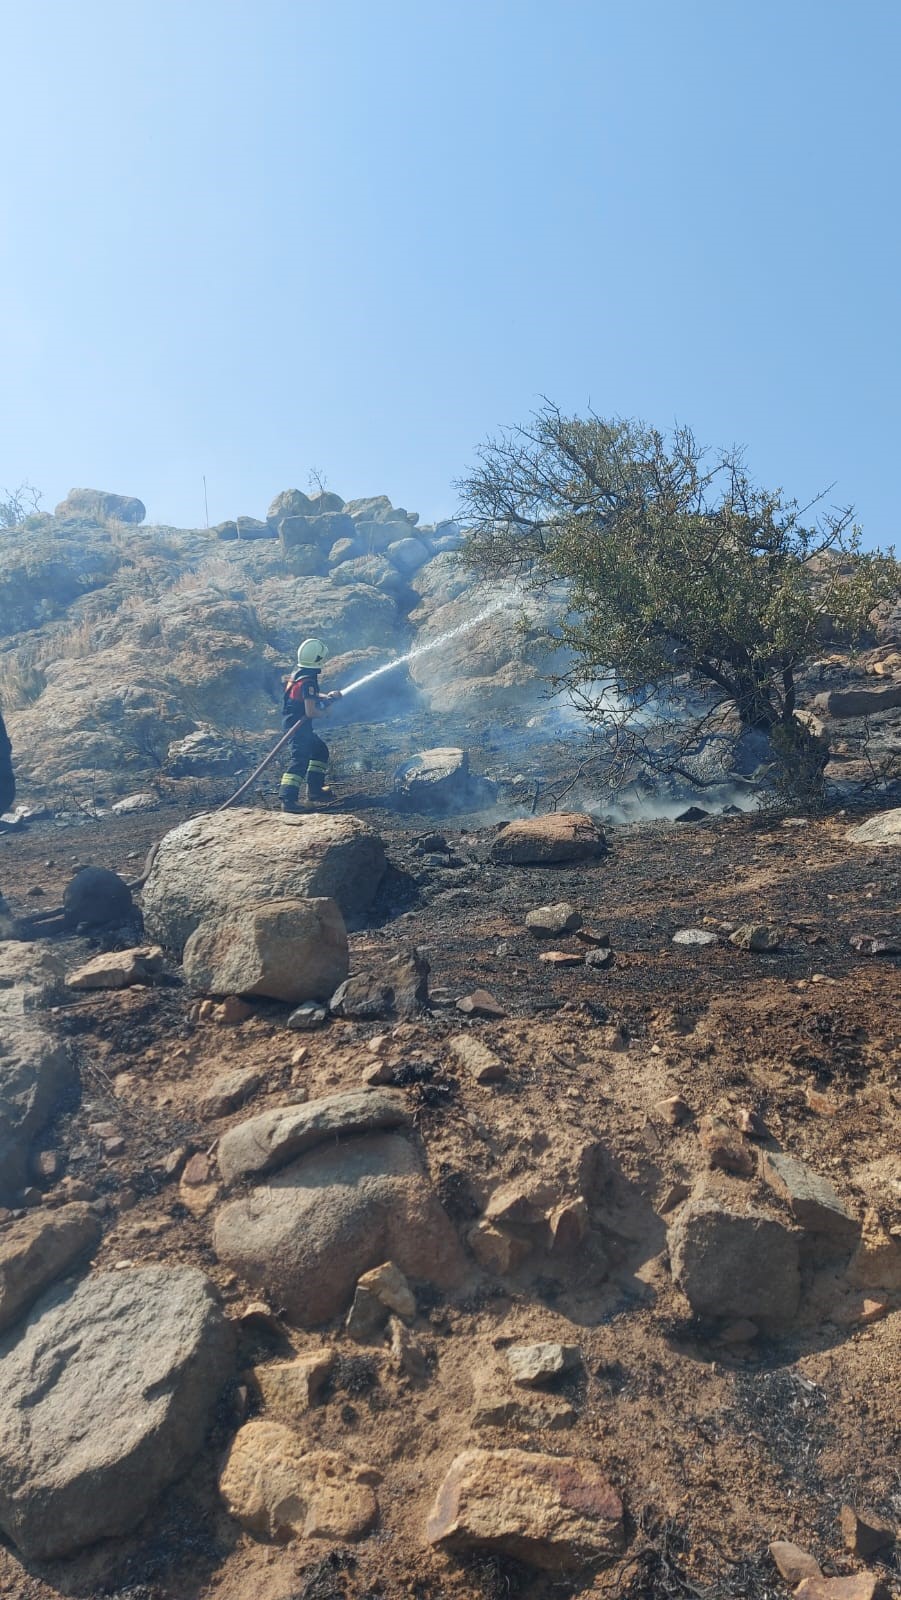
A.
x: 248, y: 238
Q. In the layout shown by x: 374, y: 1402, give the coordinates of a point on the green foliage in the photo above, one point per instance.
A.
x: 677, y: 563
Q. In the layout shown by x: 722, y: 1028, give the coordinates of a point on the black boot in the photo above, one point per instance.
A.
x: 290, y: 800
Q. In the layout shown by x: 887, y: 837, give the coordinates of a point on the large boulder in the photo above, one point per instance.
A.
x: 289, y: 950
x: 290, y: 503
x: 560, y: 836
x: 556, y: 1513
x: 408, y: 554
x: 323, y: 529
x: 859, y: 702
x: 102, y: 505
x: 275, y: 1137
x: 37, y: 1250
x: 219, y: 864
x: 104, y: 1400
x: 37, y: 1080
x: 436, y: 778
x: 203, y: 754
x: 731, y: 1264
x: 885, y: 828
x: 304, y: 1237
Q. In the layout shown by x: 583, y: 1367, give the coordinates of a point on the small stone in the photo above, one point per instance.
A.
x: 569, y: 1224
x: 114, y: 1147
x: 307, y: 1017
x: 600, y: 959
x: 674, y: 1111
x: 615, y: 1039
x: 230, y: 1091
x: 876, y: 945
x: 479, y: 1063
x: 174, y: 1161
x: 562, y: 958
x: 822, y: 1104
x: 550, y: 921
x: 408, y: 1355
x: 865, y: 1535
x: 197, y: 1171
x: 674, y: 1196
x: 46, y: 1165
x: 234, y: 1010
x: 862, y: 1586
x: 103, y: 1130
x: 751, y: 1124
x: 592, y: 936
x: 207, y: 1010
x: 496, y: 1250
x: 481, y: 1004
x: 724, y: 1148
x: 292, y: 1387
x: 793, y: 1563
x: 695, y: 936
x: 118, y: 969
x: 811, y: 1199
x: 391, y: 1288
x: 876, y: 1263
x: 299, y: 1056
x: 533, y: 1364
x: 366, y: 1317
x: 757, y: 936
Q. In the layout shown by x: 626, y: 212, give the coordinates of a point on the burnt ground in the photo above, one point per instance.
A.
x: 716, y: 1449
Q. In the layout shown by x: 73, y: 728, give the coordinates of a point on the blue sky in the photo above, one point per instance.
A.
x: 251, y: 238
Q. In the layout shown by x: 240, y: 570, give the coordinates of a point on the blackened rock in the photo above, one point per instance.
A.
x: 97, y: 898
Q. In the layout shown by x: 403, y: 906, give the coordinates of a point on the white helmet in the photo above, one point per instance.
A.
x: 312, y: 653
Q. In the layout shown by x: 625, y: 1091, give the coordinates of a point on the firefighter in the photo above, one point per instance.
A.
x: 308, y: 754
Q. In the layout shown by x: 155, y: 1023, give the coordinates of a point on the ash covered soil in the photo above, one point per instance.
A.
x: 716, y: 1447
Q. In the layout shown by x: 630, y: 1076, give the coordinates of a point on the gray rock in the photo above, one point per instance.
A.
x: 307, y: 1018
x: 434, y: 779
x: 307, y: 1235
x: 695, y: 936
x: 811, y: 1199
x: 559, y: 836
x: 290, y: 503
x: 253, y: 528
x: 225, y: 530
x: 533, y: 1364
x: 102, y: 505
x: 550, y: 921
x: 859, y: 702
x: 884, y: 828
x: 399, y: 989
x: 408, y: 555
x: 203, y: 754
x: 37, y: 1250
x: 322, y: 530
x: 216, y: 865
x: 104, y: 1400
x: 291, y: 950
x: 230, y: 1090
x: 280, y: 1135
x: 757, y: 936
x: 735, y: 1265
x: 37, y: 1078
x: 375, y: 508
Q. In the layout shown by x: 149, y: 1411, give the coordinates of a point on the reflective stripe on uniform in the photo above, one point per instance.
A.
x: 317, y: 766
x: 292, y: 780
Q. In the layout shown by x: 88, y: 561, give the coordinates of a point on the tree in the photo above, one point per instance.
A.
x: 17, y: 505
x: 679, y: 568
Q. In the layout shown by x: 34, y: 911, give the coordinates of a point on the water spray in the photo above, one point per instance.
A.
x: 377, y: 672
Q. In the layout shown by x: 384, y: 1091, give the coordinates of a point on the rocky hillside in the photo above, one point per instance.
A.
x: 459, y: 1212
x: 129, y: 651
